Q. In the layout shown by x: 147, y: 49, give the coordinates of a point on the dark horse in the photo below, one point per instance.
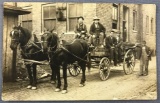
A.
x: 65, y: 54
x: 29, y: 50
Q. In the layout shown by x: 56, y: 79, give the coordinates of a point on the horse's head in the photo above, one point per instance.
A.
x: 15, y: 37
x: 49, y: 42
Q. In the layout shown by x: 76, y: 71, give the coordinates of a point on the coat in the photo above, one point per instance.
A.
x: 93, y: 29
x: 80, y: 28
x: 148, y: 52
x: 110, y: 42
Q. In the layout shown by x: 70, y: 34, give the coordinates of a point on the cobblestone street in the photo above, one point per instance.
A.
x: 118, y: 86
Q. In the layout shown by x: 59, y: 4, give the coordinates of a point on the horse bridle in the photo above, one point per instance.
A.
x: 12, y: 32
x: 49, y: 46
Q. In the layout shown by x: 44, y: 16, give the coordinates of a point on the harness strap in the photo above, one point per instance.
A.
x: 74, y: 55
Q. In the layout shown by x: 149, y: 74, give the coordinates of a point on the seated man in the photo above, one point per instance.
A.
x: 81, y: 29
x: 97, y: 33
x: 110, y: 44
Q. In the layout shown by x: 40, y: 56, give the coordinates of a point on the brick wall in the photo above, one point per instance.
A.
x: 150, y: 11
x: 89, y: 11
x: 104, y: 12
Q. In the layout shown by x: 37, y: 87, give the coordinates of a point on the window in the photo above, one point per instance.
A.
x: 49, y: 17
x: 27, y: 20
x: 114, y: 16
x: 134, y: 20
x: 147, y: 24
x: 75, y: 10
x: 152, y: 26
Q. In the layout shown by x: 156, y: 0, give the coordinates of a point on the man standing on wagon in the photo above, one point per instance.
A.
x: 97, y: 31
x: 81, y: 29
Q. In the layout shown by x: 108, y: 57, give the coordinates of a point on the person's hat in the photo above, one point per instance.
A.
x: 96, y: 18
x: 80, y: 17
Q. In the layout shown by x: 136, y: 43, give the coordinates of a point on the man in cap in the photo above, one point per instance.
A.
x: 111, y: 45
x: 145, y: 56
x: 119, y: 46
x: 81, y: 29
x: 97, y: 31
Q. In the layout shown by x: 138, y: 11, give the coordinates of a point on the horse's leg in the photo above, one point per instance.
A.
x: 58, y: 87
x: 53, y: 76
x: 30, y: 76
x: 83, y: 79
x: 34, y: 84
x: 65, y: 78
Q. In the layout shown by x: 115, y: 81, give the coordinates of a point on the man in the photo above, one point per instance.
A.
x: 119, y: 47
x: 145, y: 56
x: 81, y: 29
x: 97, y: 32
x: 110, y: 44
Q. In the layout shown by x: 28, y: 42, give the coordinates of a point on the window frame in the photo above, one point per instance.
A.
x: 73, y: 17
x: 147, y: 22
x: 47, y: 5
x: 116, y: 21
x: 152, y: 25
x: 29, y: 8
x: 135, y: 20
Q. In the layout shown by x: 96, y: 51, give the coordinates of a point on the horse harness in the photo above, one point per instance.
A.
x: 63, y: 48
x: 27, y: 46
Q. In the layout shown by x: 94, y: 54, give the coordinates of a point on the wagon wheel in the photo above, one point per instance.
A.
x: 104, y: 68
x: 74, y: 70
x: 129, y: 62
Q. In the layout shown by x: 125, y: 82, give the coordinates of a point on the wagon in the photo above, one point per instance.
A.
x: 100, y: 56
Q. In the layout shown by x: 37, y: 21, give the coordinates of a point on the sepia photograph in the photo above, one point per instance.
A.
x: 65, y: 51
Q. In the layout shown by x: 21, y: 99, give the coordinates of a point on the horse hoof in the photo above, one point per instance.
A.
x: 57, y: 90
x: 34, y: 88
x: 81, y: 85
x: 64, y: 91
x: 29, y: 87
x: 53, y: 82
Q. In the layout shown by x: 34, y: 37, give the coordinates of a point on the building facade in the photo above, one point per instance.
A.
x: 136, y: 21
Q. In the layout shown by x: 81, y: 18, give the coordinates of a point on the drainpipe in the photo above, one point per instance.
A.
x: 119, y: 19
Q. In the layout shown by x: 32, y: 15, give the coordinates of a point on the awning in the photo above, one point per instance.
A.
x: 14, y: 10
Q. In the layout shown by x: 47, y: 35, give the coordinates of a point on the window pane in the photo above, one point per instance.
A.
x: 24, y: 24
x: 114, y: 25
x: 72, y: 10
x: 72, y: 24
x: 115, y: 12
x: 27, y: 25
x: 116, y: 9
x: 52, y: 12
x: 30, y: 26
x: 46, y: 12
x: 79, y: 9
x: 50, y: 24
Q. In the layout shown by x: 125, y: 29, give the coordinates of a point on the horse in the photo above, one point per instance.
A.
x: 62, y: 55
x: 29, y: 50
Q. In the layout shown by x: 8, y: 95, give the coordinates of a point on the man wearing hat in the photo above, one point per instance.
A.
x: 81, y: 28
x: 97, y: 31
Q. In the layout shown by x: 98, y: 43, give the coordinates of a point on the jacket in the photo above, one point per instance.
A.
x: 93, y: 29
x: 148, y: 52
x: 80, y: 28
x: 110, y: 42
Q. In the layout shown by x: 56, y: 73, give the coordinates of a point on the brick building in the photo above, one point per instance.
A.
x: 138, y: 20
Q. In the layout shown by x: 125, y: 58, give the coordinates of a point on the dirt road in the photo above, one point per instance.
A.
x: 118, y: 87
